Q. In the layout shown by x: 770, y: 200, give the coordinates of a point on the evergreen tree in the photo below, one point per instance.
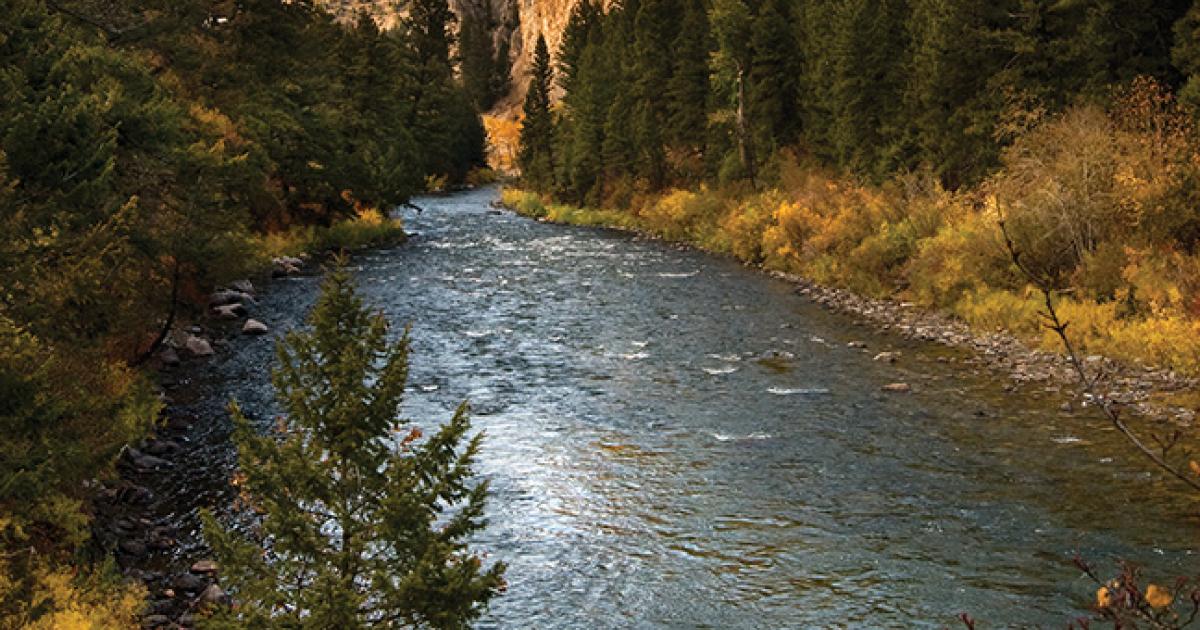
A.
x: 654, y: 34
x: 732, y: 27
x: 868, y: 53
x: 1186, y: 55
x: 536, y: 154
x: 956, y: 49
x: 772, y: 78
x: 484, y: 66
x: 364, y: 522
x: 688, y: 89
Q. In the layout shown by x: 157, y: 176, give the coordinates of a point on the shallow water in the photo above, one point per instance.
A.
x: 674, y: 440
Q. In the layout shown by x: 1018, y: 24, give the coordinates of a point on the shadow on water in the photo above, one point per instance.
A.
x: 676, y: 440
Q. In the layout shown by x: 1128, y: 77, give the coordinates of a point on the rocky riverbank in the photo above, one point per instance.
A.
x: 1138, y: 389
x: 1147, y: 391
x: 148, y: 517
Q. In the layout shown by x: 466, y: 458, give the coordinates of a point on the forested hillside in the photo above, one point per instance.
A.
x: 878, y: 145
x: 148, y: 152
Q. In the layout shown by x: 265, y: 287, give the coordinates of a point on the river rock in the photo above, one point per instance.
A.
x: 205, y: 566
x: 156, y: 621
x: 133, y: 547
x: 229, y: 311
x: 161, y: 447
x: 856, y: 344
x: 897, y: 388
x: 221, y: 298
x: 254, y: 327
x: 189, y: 582
x: 245, y: 286
x: 144, y: 461
x: 286, y: 266
x: 212, y: 595
x: 168, y: 356
x: 198, y: 347
x: 887, y: 357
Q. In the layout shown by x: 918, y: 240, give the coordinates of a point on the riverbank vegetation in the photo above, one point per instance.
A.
x: 364, y: 523
x: 877, y: 146
x: 148, y: 152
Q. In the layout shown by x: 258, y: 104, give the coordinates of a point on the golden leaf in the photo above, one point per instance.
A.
x: 1157, y: 596
x: 1104, y: 595
x: 1195, y: 466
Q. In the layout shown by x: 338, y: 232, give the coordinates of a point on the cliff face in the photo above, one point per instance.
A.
x: 517, y: 21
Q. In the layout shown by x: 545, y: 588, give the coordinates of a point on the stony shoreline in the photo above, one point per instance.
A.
x: 147, y: 517
x: 1130, y: 386
x: 1133, y: 387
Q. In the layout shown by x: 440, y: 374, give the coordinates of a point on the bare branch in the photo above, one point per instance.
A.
x: 1055, y: 323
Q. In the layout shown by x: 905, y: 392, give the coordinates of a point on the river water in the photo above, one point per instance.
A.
x: 674, y: 440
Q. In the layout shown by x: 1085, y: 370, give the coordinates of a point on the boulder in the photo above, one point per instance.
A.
x: 897, y: 388
x: 254, y: 327
x: 887, y: 357
x: 856, y: 344
x: 198, y: 347
x: 229, y: 311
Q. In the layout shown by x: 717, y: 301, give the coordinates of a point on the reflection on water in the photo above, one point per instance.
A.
x: 673, y: 440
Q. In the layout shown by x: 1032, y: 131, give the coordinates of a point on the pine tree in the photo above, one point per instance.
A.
x: 688, y: 89
x: 364, y: 522
x: 868, y: 54
x: 477, y: 56
x: 772, y: 78
x: 732, y: 27
x: 536, y: 154
x: 955, y: 50
x: 654, y: 33
x: 1186, y: 55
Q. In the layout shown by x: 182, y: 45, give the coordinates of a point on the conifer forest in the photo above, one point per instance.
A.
x: 324, y: 314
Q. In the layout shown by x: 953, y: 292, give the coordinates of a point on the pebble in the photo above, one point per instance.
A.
x: 205, y: 566
x: 898, y: 388
x: 254, y: 327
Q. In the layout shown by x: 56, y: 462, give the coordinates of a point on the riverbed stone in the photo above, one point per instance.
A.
x: 198, y: 347
x: 144, y: 461
x: 133, y: 547
x: 228, y: 296
x: 229, y: 311
x: 189, y: 582
x: 205, y: 566
x: 168, y: 356
x: 887, y: 357
x: 254, y: 327
x: 897, y: 388
x: 243, y: 285
x: 212, y: 595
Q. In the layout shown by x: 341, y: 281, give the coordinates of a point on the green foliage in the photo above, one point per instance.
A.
x: 144, y: 148
x: 364, y: 521
x: 536, y: 155
x: 485, y: 67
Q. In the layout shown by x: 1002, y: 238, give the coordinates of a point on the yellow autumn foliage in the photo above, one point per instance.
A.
x: 1158, y: 597
x: 1100, y: 201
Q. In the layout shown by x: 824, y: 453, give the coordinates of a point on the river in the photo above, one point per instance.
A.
x: 674, y: 440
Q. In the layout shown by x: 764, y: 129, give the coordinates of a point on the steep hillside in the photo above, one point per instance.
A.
x: 517, y: 21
